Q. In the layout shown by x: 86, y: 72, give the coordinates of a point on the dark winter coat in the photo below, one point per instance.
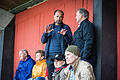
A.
x: 65, y: 40
x: 84, y: 38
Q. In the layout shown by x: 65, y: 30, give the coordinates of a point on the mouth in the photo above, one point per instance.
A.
x: 58, y: 21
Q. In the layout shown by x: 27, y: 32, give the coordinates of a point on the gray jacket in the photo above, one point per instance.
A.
x: 59, y: 75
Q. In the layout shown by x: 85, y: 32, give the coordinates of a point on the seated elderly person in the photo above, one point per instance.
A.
x: 38, y: 71
x: 24, y: 69
x: 77, y: 69
x: 59, y: 63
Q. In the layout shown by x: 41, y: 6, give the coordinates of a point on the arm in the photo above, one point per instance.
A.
x: 33, y: 71
x: 46, y: 34
x: 16, y: 75
x: 44, y: 38
x: 68, y: 35
x: 19, y: 69
x: 28, y: 71
x: 87, y: 73
x: 43, y: 73
x: 88, y: 37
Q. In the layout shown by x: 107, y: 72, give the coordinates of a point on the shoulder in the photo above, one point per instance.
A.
x: 88, y: 26
x: 35, y: 66
x: 65, y: 25
x: 66, y: 70
x: 86, y: 70
x: 30, y: 60
x: 20, y: 63
x: 51, y: 24
x: 85, y: 65
x: 44, y: 62
x: 88, y: 23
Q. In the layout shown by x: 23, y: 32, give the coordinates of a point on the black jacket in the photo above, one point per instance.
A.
x: 84, y: 38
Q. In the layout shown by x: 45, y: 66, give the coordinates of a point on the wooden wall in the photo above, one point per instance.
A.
x: 30, y: 24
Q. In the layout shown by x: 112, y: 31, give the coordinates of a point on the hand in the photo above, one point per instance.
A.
x: 63, y: 31
x: 47, y: 29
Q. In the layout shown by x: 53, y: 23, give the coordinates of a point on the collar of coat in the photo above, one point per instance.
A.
x: 62, y: 24
x: 74, y: 66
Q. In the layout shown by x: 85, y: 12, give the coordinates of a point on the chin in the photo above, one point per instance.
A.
x: 77, y: 21
x: 68, y: 62
x: 21, y: 59
x: 58, y: 22
x: 56, y: 66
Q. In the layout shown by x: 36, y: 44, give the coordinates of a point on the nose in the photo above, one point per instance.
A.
x: 65, y: 57
x: 58, y: 18
x: 55, y: 63
x: 76, y: 17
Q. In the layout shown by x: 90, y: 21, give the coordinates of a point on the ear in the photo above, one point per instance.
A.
x: 54, y: 16
x: 25, y: 55
x: 76, y: 57
x: 63, y: 16
x: 82, y: 16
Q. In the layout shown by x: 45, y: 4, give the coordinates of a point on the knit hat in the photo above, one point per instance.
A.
x: 73, y: 49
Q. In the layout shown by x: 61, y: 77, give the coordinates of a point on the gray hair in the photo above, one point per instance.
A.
x: 84, y: 12
x: 24, y: 51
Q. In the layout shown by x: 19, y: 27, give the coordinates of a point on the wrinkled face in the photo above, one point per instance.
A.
x: 38, y: 56
x: 70, y: 57
x: 22, y: 56
x: 58, y: 17
x: 58, y: 63
x: 78, y: 17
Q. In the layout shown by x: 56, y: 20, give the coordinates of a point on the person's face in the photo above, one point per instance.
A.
x: 58, y: 63
x: 70, y: 57
x: 78, y: 17
x: 22, y: 56
x: 58, y: 17
x: 38, y: 56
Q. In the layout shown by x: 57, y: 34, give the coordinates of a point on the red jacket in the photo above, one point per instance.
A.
x: 56, y: 69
